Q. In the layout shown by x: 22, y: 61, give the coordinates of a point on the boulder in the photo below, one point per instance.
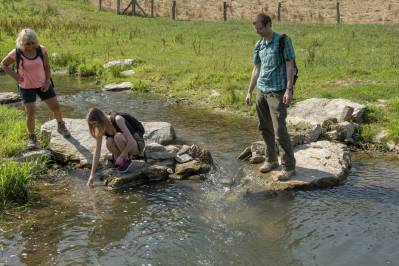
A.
x: 201, y: 154
x: 319, y: 165
x: 258, y: 147
x: 305, y: 135
x: 190, y: 168
x: 121, y: 62
x: 159, y: 132
x: 317, y: 110
x: 135, y: 177
x: 341, y: 131
x: 245, y: 154
x: 159, y: 152
x: 9, y: 97
x: 118, y: 87
x: 81, y: 145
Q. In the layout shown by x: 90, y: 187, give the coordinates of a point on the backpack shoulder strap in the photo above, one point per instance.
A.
x: 113, y: 120
x: 18, y: 57
x: 281, y: 47
x: 39, y: 53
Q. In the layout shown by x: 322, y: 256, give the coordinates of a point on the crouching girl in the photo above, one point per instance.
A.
x: 124, y: 138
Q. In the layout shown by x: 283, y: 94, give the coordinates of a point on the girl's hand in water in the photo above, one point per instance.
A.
x: 90, y: 182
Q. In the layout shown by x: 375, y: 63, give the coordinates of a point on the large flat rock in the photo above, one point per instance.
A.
x: 80, y: 146
x: 318, y: 110
x: 123, y: 86
x: 321, y: 164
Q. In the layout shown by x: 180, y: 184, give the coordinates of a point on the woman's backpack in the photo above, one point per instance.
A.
x: 132, y: 123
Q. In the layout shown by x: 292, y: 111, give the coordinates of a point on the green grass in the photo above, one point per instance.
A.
x: 190, y: 59
x: 15, y: 178
x: 13, y: 131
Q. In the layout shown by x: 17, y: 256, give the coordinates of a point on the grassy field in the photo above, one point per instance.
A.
x: 15, y: 178
x: 196, y: 59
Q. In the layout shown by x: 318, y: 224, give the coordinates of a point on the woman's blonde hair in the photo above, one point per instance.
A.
x: 97, y: 121
x: 26, y: 35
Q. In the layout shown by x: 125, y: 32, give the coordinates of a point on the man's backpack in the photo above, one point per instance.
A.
x: 281, y: 50
x: 132, y: 123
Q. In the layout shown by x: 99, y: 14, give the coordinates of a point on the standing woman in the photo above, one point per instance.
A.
x: 33, y: 78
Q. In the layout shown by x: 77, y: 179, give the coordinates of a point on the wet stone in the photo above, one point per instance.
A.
x: 321, y: 164
x: 118, y: 86
x: 183, y: 158
x: 9, y: 97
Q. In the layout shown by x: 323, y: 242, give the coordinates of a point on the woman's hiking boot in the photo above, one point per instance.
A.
x: 268, y: 167
x: 32, y: 142
x: 63, y: 130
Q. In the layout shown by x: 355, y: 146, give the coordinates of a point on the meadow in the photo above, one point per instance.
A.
x: 197, y: 60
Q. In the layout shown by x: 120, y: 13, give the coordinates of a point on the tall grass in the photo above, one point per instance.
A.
x: 15, y: 177
x: 15, y: 180
x: 12, y: 131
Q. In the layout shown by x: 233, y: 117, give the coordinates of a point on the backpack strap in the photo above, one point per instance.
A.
x: 281, y: 46
x: 113, y: 121
x: 39, y: 53
x: 18, y: 58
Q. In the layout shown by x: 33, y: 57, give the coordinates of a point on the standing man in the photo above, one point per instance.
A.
x: 273, y: 74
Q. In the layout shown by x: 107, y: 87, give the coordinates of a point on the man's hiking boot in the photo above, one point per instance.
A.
x: 284, y: 175
x: 268, y: 166
x: 63, y: 130
x: 32, y: 142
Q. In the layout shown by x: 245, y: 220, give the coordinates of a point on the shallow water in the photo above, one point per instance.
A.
x: 202, y: 223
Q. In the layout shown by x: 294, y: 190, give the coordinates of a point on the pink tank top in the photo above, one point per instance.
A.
x: 31, y: 70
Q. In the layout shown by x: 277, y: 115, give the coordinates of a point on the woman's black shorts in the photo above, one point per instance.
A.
x: 29, y: 95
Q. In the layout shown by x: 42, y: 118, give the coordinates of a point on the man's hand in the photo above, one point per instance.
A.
x: 248, y: 99
x: 287, y: 96
x: 90, y: 182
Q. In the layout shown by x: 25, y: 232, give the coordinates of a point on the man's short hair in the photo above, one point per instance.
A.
x: 263, y: 18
